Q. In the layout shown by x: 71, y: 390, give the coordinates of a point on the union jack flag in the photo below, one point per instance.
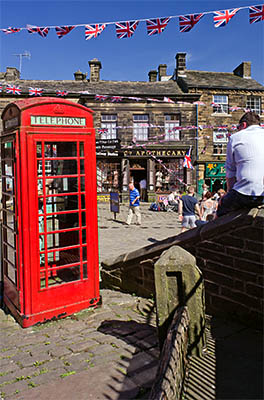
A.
x: 61, y: 93
x: 157, y: 25
x: 222, y: 18
x: 116, y: 99
x: 93, y: 31
x: 187, y: 160
x: 42, y: 31
x: 256, y: 14
x: 187, y: 22
x: 125, y: 29
x: 168, y: 100
x: 13, y: 89
x: 63, y: 30
x: 100, y: 97
x: 35, y: 91
x: 10, y: 30
x: 1, y: 87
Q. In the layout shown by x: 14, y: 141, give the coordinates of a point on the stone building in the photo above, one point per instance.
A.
x: 137, y: 123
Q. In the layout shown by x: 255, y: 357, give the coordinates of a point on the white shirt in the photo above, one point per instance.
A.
x: 143, y: 184
x: 245, y: 160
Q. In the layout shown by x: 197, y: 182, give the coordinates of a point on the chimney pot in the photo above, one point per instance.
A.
x: 162, y: 71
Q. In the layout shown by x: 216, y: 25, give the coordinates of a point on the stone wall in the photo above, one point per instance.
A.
x: 171, y: 372
x: 230, y: 253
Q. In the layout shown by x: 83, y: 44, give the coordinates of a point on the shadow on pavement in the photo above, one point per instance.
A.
x: 139, y: 365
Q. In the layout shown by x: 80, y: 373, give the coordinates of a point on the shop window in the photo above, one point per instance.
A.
x: 220, y: 139
x: 108, y: 176
x: 108, y: 125
x: 221, y: 104
x: 140, y: 127
x: 172, y: 121
x: 169, y: 175
x: 254, y: 104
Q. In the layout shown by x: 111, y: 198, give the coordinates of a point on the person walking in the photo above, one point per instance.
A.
x: 143, y: 189
x: 188, y: 207
x: 208, y: 205
x: 133, y: 205
x: 244, y: 166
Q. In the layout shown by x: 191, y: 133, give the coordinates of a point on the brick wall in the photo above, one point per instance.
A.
x: 230, y: 253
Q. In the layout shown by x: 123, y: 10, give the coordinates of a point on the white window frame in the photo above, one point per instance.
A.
x: 140, y: 127
x: 254, y: 103
x: 171, y: 121
x: 222, y: 104
x: 220, y: 139
x: 109, y: 122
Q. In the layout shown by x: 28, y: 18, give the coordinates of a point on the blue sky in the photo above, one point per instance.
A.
x: 208, y: 48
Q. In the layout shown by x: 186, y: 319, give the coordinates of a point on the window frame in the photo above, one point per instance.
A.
x: 141, y: 127
x: 222, y: 107
x: 109, y: 122
x: 254, y: 99
x: 169, y: 124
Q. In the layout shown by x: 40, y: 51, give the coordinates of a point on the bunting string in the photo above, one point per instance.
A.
x: 154, y: 26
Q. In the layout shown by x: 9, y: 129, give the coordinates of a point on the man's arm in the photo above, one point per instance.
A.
x: 137, y: 198
x: 180, y: 209
x: 197, y: 209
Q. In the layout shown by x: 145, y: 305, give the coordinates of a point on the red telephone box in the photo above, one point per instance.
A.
x: 50, y: 233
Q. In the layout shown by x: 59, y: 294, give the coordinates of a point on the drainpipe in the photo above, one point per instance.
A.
x: 197, y: 153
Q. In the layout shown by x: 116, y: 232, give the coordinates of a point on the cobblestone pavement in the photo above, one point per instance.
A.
x: 115, y: 237
x: 107, y: 353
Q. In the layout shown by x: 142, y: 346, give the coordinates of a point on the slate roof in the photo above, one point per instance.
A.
x: 162, y: 88
x: 217, y: 80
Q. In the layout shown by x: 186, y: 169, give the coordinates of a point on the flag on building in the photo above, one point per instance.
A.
x: 187, y: 163
x: 187, y: 22
x: 256, y: 14
x: 222, y: 18
x: 168, y: 100
x: 35, y: 91
x: 157, y: 25
x: 63, y: 30
x: 125, y: 29
x: 101, y: 97
x: 61, y: 93
x: 93, y: 31
x: 13, y: 89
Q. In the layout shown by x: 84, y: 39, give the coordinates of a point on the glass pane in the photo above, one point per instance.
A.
x: 9, y: 236
x: 60, y: 149
x: 84, y: 251
x: 10, y: 220
x: 62, y: 239
x: 58, y: 167
x: 70, y: 256
x: 69, y: 274
x: 81, y: 149
x: 85, y: 273
x: 84, y: 235
x: 11, y: 272
x: 81, y: 166
x: 83, y: 218
x: 11, y: 255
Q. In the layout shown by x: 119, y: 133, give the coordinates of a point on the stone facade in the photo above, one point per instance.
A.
x: 144, y: 111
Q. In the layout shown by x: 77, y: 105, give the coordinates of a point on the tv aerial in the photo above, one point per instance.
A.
x: 26, y: 54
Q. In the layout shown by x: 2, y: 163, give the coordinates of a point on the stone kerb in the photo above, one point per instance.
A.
x: 173, y: 360
x: 178, y: 283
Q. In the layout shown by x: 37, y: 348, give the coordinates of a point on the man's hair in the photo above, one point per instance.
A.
x: 191, y: 189
x: 250, y: 118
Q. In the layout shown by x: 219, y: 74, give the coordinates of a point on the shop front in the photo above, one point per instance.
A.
x: 215, y: 176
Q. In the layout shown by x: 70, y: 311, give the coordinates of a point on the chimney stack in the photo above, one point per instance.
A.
x: 12, y: 74
x: 79, y: 76
x: 95, y: 67
x: 243, y: 70
x: 162, y: 71
x: 152, y: 76
x: 180, y: 64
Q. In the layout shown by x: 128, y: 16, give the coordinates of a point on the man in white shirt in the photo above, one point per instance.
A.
x: 244, y: 166
x: 143, y: 189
